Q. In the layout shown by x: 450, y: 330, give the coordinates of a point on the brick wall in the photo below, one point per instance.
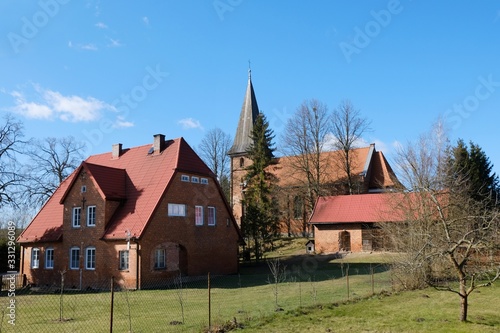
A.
x: 238, y: 173
x: 197, y: 249
x: 327, y: 237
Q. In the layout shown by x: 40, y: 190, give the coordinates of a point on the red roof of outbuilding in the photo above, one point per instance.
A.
x: 137, y: 176
x: 375, y: 207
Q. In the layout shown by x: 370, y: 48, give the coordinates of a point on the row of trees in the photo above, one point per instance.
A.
x: 32, y: 169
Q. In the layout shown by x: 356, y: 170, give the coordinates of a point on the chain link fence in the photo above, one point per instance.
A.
x: 190, y: 304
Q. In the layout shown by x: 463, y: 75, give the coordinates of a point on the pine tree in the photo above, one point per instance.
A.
x: 261, y: 219
x: 471, y: 165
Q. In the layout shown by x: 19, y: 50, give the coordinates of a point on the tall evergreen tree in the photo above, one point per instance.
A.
x: 261, y: 220
x: 483, y: 179
x: 472, y: 164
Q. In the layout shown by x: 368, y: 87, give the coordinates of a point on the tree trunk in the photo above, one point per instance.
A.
x: 464, y: 303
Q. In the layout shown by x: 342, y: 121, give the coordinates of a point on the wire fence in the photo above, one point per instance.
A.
x: 189, y: 304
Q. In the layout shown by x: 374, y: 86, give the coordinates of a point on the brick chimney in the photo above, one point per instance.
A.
x: 116, y: 150
x: 158, y: 144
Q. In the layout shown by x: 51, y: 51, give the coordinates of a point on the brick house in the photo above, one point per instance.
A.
x: 141, y: 215
x: 369, y: 167
x: 352, y: 222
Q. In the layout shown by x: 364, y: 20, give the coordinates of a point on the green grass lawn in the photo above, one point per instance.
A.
x: 310, y: 281
x: 416, y: 311
x: 320, y: 294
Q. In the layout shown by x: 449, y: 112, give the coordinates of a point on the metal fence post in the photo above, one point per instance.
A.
x: 111, y: 314
x: 209, y: 305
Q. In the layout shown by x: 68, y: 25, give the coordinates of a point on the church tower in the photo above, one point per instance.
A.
x: 238, y: 152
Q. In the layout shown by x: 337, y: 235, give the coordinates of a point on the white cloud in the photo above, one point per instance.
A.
x: 101, y: 25
x: 190, y: 123
x: 145, y: 19
x: 49, y: 104
x: 122, y: 123
x: 114, y: 43
x: 86, y: 47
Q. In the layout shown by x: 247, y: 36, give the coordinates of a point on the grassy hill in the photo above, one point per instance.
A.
x: 416, y: 311
x: 426, y: 310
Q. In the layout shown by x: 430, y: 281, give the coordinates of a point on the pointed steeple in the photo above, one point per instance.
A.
x: 248, y: 115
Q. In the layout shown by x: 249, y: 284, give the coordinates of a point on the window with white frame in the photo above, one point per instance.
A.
x: 90, y: 258
x: 91, y: 216
x: 49, y: 258
x: 211, y: 215
x: 77, y: 215
x: 160, y: 260
x: 204, y: 181
x: 35, y: 257
x: 184, y: 178
x: 123, y: 255
x: 74, y: 258
x: 176, y: 209
x: 195, y: 179
x: 198, y: 215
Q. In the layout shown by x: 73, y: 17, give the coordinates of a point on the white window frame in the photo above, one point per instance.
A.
x: 76, y: 217
x: 195, y: 179
x: 211, y: 218
x: 123, y: 257
x: 184, y: 178
x: 91, y: 216
x: 49, y: 258
x: 90, y: 256
x: 74, y: 258
x: 160, y: 259
x: 176, y: 209
x: 204, y: 181
x: 198, y: 215
x: 35, y: 258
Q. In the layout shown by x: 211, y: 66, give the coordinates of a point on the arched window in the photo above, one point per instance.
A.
x: 298, y: 207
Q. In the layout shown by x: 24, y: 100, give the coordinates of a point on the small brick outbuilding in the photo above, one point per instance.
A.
x: 141, y: 215
x: 352, y: 222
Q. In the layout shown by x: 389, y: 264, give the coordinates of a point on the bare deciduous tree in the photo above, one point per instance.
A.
x: 51, y: 161
x: 213, y: 150
x: 278, y: 272
x: 11, y: 145
x: 304, y: 138
x: 347, y: 128
x: 450, y: 240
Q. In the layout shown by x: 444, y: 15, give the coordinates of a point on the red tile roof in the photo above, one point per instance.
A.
x: 376, y: 207
x: 140, y: 177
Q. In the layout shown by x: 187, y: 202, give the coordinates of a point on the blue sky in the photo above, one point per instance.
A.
x: 121, y: 71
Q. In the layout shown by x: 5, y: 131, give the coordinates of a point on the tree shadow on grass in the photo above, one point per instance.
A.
x: 300, y: 268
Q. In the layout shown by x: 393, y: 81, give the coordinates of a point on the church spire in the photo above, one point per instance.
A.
x: 248, y: 115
